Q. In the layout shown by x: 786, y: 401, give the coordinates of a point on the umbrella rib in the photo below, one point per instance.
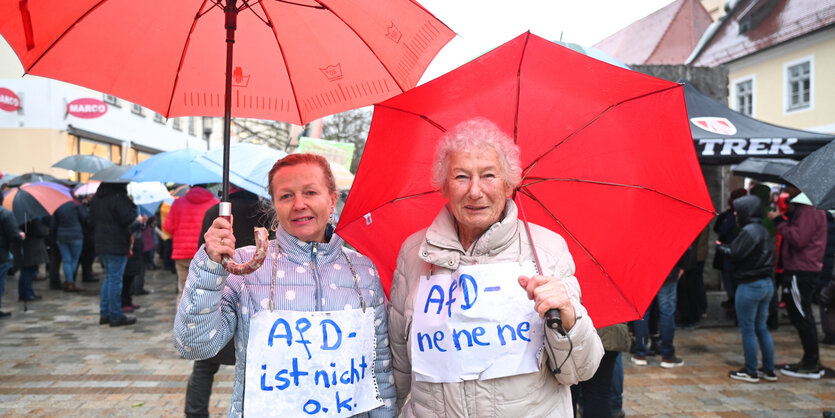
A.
x: 200, y: 13
x: 59, y: 38
x: 396, y: 199
x: 519, y: 88
x: 271, y: 23
x: 396, y: 81
x: 425, y: 118
x: 537, y: 180
x: 536, y: 160
x: 582, y: 247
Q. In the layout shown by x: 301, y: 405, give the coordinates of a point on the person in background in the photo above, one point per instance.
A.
x: 67, y: 227
x: 726, y: 229
x: 183, y: 223
x: 10, y: 236
x: 306, y: 269
x: 88, y: 249
x: 112, y: 213
x: 666, y: 299
x: 148, y: 249
x: 753, y: 255
x: 249, y: 212
x: 827, y: 320
x: 804, y: 241
x: 691, y: 293
x: 32, y: 254
x: 134, y: 267
x: 594, y: 396
x: 477, y: 167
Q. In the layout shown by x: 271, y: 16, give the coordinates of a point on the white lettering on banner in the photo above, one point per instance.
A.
x: 311, y: 364
x: 754, y: 146
x: 476, y: 323
x: 7, y: 100
x: 87, y: 108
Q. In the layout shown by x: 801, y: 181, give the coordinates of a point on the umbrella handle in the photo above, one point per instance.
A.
x: 261, y: 245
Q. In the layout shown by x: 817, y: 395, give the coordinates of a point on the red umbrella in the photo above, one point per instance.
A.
x: 607, y: 157
x: 294, y: 61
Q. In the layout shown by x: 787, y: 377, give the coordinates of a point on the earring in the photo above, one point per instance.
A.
x: 274, y: 225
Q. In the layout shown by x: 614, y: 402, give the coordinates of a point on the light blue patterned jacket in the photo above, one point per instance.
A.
x: 212, y: 311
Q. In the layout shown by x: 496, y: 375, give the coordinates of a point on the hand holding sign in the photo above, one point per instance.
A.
x: 549, y: 292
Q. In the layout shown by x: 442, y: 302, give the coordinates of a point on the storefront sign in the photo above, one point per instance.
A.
x: 9, y: 100
x: 87, y: 108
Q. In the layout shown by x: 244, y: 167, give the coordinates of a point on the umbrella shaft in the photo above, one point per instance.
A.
x: 231, y: 12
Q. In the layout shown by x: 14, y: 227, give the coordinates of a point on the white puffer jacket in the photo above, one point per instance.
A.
x: 538, y: 394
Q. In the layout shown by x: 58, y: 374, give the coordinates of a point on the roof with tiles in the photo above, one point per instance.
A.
x: 754, y: 25
x: 667, y: 36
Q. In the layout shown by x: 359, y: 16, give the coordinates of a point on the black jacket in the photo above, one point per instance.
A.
x: 33, y: 250
x: 9, y: 234
x: 248, y: 211
x: 111, y: 213
x: 752, y: 252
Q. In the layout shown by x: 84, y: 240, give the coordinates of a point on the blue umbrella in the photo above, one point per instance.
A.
x: 172, y: 166
x: 249, y: 164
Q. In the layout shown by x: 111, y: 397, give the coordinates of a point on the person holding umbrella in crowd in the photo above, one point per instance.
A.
x: 9, y: 235
x: 478, y: 234
x: 753, y: 257
x: 67, y: 227
x: 306, y: 274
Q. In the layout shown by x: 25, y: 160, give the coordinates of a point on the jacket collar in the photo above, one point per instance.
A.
x: 300, y: 252
x: 441, y: 246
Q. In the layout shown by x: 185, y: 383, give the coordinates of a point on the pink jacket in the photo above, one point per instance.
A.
x: 804, y: 239
x: 185, y: 220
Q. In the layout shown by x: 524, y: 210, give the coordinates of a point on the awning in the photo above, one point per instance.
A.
x: 724, y: 136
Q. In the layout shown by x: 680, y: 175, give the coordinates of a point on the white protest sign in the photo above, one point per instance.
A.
x: 477, y: 323
x: 310, y: 364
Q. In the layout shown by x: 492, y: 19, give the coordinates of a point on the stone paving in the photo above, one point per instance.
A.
x: 55, y: 360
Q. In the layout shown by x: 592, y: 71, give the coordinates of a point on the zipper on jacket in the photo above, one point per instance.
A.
x: 313, y: 254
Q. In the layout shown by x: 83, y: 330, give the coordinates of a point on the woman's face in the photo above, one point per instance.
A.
x: 476, y: 188
x: 302, y: 201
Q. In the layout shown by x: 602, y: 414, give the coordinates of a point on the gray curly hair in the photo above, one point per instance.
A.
x: 472, y: 134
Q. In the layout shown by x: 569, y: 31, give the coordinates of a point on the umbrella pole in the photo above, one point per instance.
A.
x: 231, y: 12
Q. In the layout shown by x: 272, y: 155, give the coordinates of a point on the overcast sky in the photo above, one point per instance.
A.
x: 482, y: 25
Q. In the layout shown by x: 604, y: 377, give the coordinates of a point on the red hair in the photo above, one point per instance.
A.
x: 296, y: 159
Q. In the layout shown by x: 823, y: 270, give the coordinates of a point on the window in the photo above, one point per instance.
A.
x: 745, y: 97
x: 799, y: 85
x: 191, y: 126
x: 158, y: 118
x: 175, y: 123
x: 137, y: 109
x: 111, y: 100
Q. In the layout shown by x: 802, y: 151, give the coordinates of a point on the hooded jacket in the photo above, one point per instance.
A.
x: 538, y: 394
x: 751, y: 251
x: 185, y: 220
x: 111, y: 213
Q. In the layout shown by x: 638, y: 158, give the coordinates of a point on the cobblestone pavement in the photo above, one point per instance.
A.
x: 55, y: 360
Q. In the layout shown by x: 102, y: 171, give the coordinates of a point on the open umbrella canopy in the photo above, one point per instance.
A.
x: 87, y: 188
x: 31, y: 178
x: 294, y: 61
x: 815, y: 176
x: 33, y: 200
x: 250, y: 165
x: 764, y: 169
x: 607, y: 159
x: 177, y: 166
x: 112, y: 174
x: 84, y: 163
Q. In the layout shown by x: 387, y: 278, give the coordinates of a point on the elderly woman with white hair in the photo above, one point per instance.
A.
x: 470, y: 292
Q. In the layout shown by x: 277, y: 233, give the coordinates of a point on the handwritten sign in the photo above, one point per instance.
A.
x: 476, y: 323
x: 311, y: 364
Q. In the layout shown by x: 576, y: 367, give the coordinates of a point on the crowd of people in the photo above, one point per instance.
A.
x: 405, y: 354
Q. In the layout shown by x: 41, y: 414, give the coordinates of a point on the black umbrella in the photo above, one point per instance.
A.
x: 84, y: 163
x: 814, y: 175
x: 764, y: 169
x: 112, y: 174
x: 32, y: 178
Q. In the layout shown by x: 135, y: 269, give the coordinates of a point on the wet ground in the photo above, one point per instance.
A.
x: 55, y: 360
